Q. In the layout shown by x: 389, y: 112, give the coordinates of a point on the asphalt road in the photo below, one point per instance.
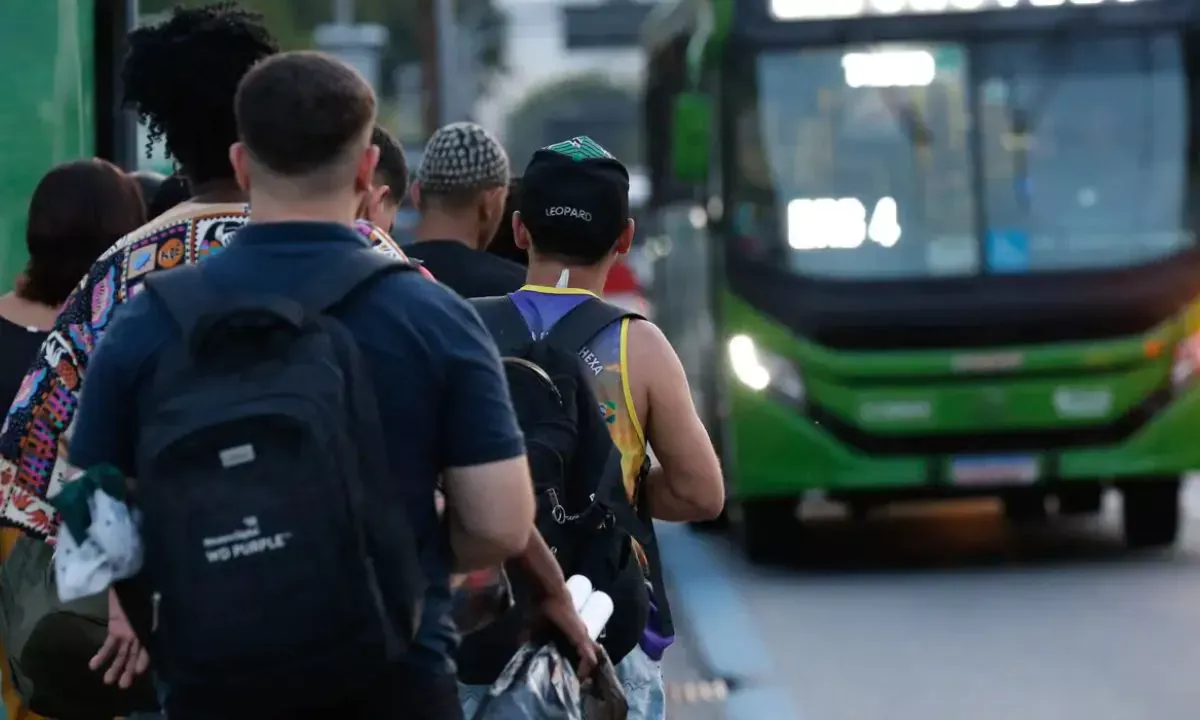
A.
x: 946, y: 613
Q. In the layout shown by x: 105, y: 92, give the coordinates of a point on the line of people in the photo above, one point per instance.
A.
x: 293, y: 136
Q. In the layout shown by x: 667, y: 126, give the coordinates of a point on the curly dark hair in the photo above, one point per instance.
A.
x: 173, y: 191
x: 78, y: 210
x: 181, y: 75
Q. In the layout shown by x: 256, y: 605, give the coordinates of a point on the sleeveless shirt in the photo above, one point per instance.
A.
x: 606, y: 356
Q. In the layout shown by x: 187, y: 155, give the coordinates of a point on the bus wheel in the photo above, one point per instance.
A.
x: 1024, y: 507
x: 769, y: 529
x: 1083, y: 500
x: 1150, y: 512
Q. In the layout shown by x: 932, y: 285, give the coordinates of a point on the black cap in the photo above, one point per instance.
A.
x: 575, y: 192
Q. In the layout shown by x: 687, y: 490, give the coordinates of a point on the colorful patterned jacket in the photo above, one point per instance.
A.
x: 34, y: 434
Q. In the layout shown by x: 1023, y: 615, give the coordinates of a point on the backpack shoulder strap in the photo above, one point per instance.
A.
x: 346, y: 273
x: 506, y: 324
x: 584, y: 322
x: 185, y: 294
x: 666, y: 621
x: 638, y: 522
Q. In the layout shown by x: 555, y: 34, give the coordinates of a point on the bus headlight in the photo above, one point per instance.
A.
x: 761, y: 370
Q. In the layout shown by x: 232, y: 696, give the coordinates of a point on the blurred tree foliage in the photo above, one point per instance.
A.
x: 293, y: 22
x: 586, y: 104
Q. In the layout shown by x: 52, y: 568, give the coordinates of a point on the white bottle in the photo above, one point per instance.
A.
x: 579, y: 588
x: 596, y: 612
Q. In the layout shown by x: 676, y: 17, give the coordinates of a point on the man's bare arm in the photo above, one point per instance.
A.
x: 490, y: 511
x: 538, y: 563
x: 687, y: 485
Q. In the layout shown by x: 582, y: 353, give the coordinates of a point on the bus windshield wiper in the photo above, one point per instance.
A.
x: 920, y: 138
x: 1023, y: 121
x: 910, y: 120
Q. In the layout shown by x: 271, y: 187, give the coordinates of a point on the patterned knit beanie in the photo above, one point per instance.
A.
x: 462, y: 156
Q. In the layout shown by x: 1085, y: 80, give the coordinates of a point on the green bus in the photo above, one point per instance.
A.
x: 61, y: 101
x: 915, y: 249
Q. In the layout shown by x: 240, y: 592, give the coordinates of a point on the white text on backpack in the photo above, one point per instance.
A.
x: 592, y: 361
x: 244, y: 542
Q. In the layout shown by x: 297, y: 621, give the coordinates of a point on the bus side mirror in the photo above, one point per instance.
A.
x: 691, y: 125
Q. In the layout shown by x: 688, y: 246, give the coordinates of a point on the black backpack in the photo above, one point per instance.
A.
x: 583, y: 513
x: 279, y: 559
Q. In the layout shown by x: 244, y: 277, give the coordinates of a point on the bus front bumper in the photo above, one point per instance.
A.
x: 778, y: 452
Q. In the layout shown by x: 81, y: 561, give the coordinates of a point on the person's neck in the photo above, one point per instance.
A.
x: 217, y: 191
x: 271, y: 210
x: 581, y: 277
x: 437, y: 226
x: 27, y: 313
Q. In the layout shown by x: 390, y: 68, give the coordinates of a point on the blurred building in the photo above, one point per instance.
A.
x: 550, y: 42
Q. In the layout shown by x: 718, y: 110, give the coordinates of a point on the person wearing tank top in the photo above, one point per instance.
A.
x: 573, y: 221
x: 606, y: 359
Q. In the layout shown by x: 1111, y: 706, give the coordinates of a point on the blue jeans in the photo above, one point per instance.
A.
x: 640, y: 676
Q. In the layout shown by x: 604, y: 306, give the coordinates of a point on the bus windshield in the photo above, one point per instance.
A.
x: 917, y: 160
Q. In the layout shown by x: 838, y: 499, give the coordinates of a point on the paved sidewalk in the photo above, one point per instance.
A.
x: 692, y: 693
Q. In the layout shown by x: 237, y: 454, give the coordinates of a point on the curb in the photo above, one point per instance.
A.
x: 725, y: 638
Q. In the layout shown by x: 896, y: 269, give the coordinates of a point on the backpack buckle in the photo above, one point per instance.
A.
x: 558, y: 512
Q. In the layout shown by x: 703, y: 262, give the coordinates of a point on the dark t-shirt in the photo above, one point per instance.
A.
x: 443, y: 400
x: 18, y: 347
x: 470, y: 273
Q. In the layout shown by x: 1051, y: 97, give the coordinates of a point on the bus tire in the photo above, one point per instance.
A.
x: 768, y: 529
x: 1024, y: 507
x: 1150, y: 512
x: 1080, y: 499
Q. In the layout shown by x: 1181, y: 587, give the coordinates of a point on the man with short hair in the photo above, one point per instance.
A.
x: 305, y: 157
x: 460, y: 191
x: 390, y: 184
x: 573, y: 219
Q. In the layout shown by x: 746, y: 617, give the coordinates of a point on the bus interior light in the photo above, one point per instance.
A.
x: 889, y: 68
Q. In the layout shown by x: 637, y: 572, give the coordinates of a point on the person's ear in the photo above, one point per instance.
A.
x: 414, y: 192
x: 492, y: 204
x: 239, y: 158
x: 364, y: 171
x: 382, y: 211
x: 520, y: 234
x: 625, y: 239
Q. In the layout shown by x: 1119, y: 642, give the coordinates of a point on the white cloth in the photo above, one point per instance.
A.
x: 111, y: 551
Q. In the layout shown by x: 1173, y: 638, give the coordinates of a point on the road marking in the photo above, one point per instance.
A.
x: 727, y: 639
x: 698, y: 691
